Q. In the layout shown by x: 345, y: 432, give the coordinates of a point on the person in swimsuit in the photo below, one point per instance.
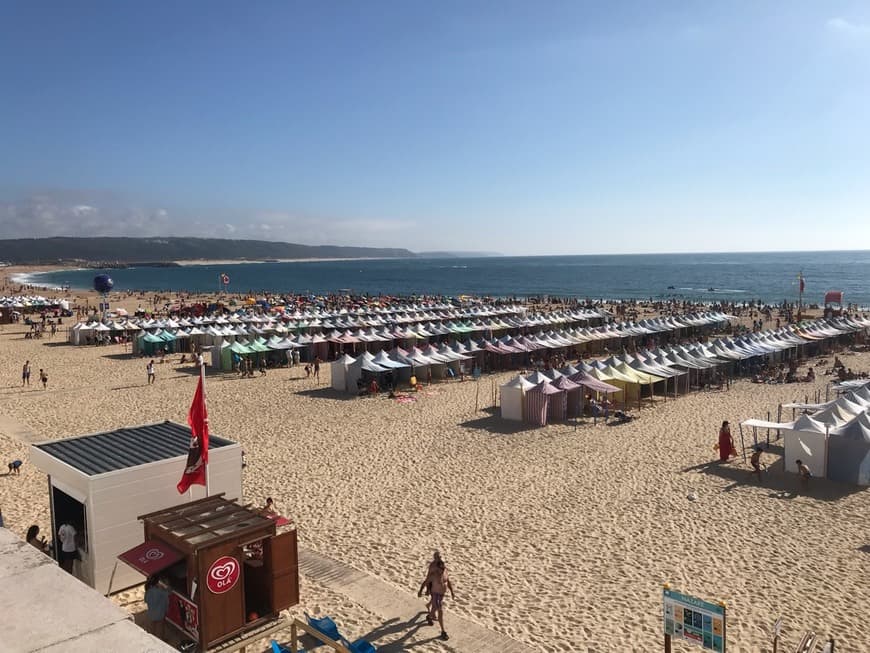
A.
x: 804, y: 472
x: 25, y: 374
x: 755, y: 461
x: 427, y: 582
x: 440, y: 583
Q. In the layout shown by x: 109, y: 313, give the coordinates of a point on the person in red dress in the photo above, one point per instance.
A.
x: 726, y: 443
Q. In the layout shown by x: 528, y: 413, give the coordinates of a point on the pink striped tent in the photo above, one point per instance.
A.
x: 596, y: 385
x: 573, y: 395
x: 538, y: 403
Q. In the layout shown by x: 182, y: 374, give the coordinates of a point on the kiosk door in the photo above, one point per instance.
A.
x: 281, y: 559
x: 221, y: 593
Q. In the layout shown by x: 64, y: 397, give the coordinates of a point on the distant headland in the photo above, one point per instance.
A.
x: 109, y: 252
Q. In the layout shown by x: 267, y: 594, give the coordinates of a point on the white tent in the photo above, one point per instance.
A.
x: 805, y: 441
x: 849, y: 452
x: 338, y: 371
x: 512, y: 398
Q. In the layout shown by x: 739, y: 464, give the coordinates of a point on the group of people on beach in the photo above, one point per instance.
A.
x: 727, y: 450
x: 26, y: 372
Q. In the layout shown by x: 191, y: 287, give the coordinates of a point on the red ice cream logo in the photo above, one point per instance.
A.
x: 222, y: 575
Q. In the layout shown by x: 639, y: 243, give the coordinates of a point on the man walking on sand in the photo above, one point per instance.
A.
x: 149, y: 370
x: 25, y: 374
x: 427, y: 582
x: 439, y: 582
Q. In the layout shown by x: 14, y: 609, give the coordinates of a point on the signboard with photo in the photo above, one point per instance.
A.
x: 183, y: 614
x: 694, y: 620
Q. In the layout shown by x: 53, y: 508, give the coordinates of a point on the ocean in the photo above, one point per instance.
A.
x: 770, y: 277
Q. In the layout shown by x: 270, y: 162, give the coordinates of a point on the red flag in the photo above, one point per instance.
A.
x: 197, y: 455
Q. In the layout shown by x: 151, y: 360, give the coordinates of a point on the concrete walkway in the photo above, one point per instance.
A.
x: 404, y: 614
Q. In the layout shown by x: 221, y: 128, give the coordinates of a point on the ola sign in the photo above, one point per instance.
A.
x: 223, y: 575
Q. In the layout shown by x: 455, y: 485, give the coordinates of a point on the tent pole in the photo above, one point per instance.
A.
x: 112, y: 579
x: 742, y: 444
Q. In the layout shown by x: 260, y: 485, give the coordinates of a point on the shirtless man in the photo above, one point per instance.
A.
x: 805, y: 473
x: 755, y: 461
x: 439, y: 584
x: 427, y: 582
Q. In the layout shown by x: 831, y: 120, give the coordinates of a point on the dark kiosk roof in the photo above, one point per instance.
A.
x: 206, y: 522
x: 124, y: 448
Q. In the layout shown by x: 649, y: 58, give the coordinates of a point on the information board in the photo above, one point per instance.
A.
x: 694, y: 620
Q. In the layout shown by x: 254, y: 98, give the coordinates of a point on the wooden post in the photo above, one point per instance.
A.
x: 667, y: 644
x: 477, y: 396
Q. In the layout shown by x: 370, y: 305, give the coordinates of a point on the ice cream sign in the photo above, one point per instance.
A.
x: 223, y: 575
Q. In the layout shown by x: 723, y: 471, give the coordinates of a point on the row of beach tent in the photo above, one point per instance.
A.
x: 545, y: 397
x: 257, y: 326
x: 31, y: 302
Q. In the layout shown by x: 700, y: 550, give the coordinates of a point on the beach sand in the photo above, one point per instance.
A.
x: 559, y: 537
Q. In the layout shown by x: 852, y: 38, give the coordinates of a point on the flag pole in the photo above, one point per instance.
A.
x: 800, y: 294
x: 202, y: 381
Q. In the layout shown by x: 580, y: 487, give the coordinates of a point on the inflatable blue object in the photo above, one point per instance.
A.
x: 103, y: 283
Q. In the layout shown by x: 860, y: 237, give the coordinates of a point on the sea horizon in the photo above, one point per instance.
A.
x: 771, y: 277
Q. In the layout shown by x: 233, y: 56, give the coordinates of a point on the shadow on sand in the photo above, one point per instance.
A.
x: 493, y: 423
x: 327, y: 392
x: 389, y: 628
x: 122, y: 357
x: 782, y: 485
x: 407, y: 628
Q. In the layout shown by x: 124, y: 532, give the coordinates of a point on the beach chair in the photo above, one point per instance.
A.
x: 326, y: 626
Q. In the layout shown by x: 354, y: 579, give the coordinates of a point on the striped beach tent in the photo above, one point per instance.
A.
x: 573, y: 396
x: 538, y: 403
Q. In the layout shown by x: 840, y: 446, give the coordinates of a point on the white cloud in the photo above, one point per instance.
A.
x: 848, y: 28
x: 87, y: 214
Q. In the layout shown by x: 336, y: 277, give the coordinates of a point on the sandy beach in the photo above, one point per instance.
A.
x: 560, y: 537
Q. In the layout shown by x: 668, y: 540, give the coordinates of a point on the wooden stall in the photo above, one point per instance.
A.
x: 228, y: 568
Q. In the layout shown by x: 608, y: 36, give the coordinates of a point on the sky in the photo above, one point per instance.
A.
x: 516, y: 127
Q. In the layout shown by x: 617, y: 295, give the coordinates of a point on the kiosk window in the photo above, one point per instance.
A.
x: 70, y: 511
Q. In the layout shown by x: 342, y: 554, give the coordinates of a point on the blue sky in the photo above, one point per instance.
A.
x: 524, y: 128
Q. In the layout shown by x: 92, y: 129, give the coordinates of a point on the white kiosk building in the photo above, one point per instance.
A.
x: 101, y: 483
